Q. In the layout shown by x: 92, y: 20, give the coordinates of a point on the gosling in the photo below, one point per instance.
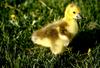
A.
x: 58, y: 35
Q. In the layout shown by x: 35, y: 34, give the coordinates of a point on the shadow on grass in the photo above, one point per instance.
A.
x: 80, y: 45
x: 85, y: 40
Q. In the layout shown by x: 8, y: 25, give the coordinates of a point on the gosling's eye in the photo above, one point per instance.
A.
x: 74, y: 12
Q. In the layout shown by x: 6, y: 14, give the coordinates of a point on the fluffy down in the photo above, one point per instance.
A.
x: 58, y: 35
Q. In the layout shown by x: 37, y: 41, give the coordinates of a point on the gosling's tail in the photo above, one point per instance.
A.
x: 46, y: 42
x: 34, y: 38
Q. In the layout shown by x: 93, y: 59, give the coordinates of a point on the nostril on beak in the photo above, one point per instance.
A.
x: 79, y: 16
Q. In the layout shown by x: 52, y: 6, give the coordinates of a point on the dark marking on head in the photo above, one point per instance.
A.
x: 72, y: 4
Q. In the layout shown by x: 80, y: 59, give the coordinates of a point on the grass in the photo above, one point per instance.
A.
x: 17, y: 49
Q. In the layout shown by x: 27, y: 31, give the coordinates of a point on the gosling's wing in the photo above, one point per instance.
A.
x: 48, y: 32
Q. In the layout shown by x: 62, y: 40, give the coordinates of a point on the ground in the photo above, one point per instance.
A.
x: 18, y: 19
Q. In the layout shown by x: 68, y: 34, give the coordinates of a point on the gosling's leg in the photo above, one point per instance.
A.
x: 57, y: 47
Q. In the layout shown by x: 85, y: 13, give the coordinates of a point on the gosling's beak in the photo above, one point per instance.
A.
x: 78, y: 16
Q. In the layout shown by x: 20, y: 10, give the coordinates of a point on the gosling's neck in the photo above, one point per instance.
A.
x: 69, y: 20
x: 73, y: 25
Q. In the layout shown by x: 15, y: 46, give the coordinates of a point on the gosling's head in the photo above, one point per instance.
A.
x: 72, y: 11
